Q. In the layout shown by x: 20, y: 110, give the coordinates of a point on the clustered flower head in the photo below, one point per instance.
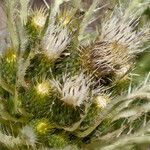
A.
x: 116, y: 47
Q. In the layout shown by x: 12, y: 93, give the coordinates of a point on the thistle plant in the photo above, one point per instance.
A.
x: 68, y: 79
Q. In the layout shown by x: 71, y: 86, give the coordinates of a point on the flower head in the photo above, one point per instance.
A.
x: 38, y: 18
x: 117, y: 45
x: 10, y: 55
x: 102, y: 100
x: 55, y: 41
x: 42, y: 126
x: 74, y: 90
x: 43, y: 88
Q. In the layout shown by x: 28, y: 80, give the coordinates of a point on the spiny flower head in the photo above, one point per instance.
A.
x: 121, y: 31
x: 38, y: 18
x: 55, y: 41
x: 28, y: 135
x: 42, y: 126
x: 58, y: 141
x: 10, y: 55
x: 65, y: 16
x: 117, y: 46
x: 102, y: 100
x: 74, y: 91
x: 43, y: 88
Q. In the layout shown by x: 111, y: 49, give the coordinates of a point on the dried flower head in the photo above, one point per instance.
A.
x: 55, y: 41
x: 117, y: 45
x: 74, y: 91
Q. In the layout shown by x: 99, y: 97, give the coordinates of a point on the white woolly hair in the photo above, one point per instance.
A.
x: 119, y: 43
x: 28, y: 136
x: 55, y: 40
x: 74, y: 90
